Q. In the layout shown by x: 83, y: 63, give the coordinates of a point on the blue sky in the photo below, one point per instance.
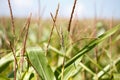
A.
x: 84, y: 8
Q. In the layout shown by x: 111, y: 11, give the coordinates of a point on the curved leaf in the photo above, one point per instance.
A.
x: 39, y: 62
x: 4, y: 61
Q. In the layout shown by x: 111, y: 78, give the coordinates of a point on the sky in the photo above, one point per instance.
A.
x: 84, y: 8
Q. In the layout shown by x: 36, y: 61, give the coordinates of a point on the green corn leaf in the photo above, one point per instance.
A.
x: 106, y: 69
x: 56, y: 50
x: 39, y: 62
x: 116, y: 76
x: 88, y: 47
x: 93, y: 61
x: 71, y: 70
x: 3, y: 77
x: 29, y: 73
x: 86, y: 68
x: 4, y: 61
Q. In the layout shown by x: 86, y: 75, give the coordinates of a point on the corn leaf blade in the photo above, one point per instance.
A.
x: 39, y: 62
